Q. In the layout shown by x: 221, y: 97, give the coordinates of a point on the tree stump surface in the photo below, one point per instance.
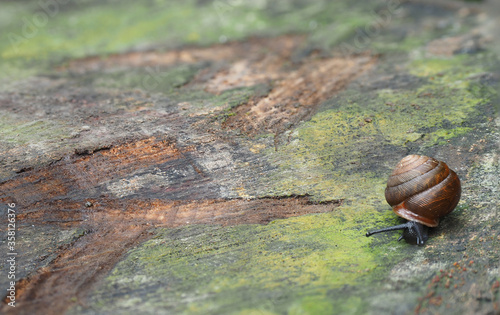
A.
x: 228, y: 157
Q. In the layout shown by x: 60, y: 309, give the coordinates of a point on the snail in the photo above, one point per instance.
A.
x: 421, y: 190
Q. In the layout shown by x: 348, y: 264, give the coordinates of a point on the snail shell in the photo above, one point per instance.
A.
x: 423, y: 189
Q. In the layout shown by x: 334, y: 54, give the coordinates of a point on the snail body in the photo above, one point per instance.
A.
x: 421, y: 190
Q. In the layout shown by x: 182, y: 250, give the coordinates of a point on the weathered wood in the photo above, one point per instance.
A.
x: 233, y: 165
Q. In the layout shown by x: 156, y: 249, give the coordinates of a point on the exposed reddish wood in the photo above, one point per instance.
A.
x: 173, y: 213
x: 299, y: 87
x: 62, y: 195
x: 297, y: 94
x: 116, y: 225
x: 79, y: 173
x: 75, y: 270
x: 251, y: 48
x: 101, y: 188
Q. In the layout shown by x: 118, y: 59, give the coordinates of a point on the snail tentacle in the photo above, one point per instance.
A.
x: 390, y: 228
x: 411, y: 228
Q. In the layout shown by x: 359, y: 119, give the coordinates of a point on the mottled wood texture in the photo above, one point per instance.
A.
x: 109, y: 144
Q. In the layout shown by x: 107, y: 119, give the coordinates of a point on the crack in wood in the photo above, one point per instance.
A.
x: 63, y: 194
x: 120, y: 224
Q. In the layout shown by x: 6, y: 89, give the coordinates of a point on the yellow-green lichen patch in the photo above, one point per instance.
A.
x: 441, y: 136
x: 344, y: 144
x: 311, y: 305
x: 36, y: 36
x: 284, y: 266
x: 430, y: 112
x: 453, y: 72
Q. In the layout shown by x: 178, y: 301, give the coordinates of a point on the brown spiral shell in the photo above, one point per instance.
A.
x: 422, y: 189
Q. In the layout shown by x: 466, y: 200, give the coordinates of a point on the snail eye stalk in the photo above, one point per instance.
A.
x: 411, y: 229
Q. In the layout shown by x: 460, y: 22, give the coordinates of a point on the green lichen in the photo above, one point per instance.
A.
x: 441, y: 136
x: 36, y: 37
x: 327, y: 154
x: 453, y: 72
x: 311, y: 305
x: 288, y: 265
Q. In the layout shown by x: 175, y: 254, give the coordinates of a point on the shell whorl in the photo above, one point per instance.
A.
x: 422, y: 189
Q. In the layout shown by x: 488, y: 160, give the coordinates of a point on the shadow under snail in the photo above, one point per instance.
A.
x: 421, y: 190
